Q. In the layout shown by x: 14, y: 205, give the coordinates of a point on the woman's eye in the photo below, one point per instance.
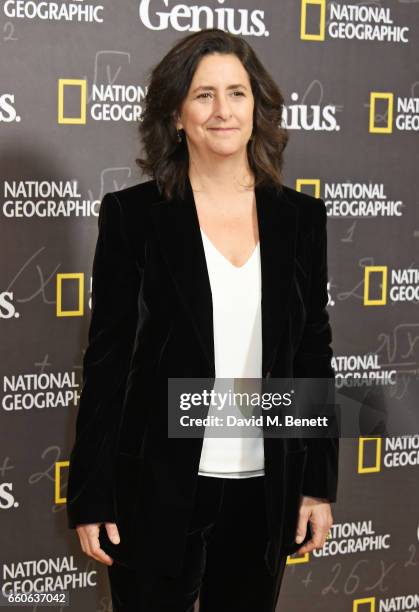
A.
x: 205, y: 94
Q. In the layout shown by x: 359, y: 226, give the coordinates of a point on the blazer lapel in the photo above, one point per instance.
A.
x: 177, y: 227
x: 277, y: 220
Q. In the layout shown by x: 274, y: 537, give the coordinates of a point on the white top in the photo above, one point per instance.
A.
x: 236, y: 299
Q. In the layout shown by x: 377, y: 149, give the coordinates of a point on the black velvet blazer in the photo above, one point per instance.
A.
x: 152, y: 319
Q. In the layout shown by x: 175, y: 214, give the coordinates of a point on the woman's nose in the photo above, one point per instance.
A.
x: 222, y: 107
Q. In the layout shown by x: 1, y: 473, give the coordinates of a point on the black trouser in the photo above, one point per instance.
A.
x: 224, y: 559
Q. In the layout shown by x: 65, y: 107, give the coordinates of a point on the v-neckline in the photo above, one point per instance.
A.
x: 225, y: 258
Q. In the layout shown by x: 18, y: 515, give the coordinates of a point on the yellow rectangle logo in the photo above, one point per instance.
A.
x: 389, y: 98
x: 367, y: 273
x: 311, y: 183
x: 361, y: 448
x: 59, y: 309
x: 366, y: 604
x: 62, y: 84
x: 59, y: 465
x: 293, y: 560
x: 320, y: 35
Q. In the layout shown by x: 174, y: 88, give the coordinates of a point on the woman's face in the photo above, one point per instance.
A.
x: 217, y: 113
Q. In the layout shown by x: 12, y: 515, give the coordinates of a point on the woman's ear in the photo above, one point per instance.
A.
x: 176, y: 119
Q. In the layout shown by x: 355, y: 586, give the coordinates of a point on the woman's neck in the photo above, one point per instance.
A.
x: 224, y: 177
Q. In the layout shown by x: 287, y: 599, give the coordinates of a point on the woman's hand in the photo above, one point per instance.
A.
x: 89, y: 540
x: 319, y: 512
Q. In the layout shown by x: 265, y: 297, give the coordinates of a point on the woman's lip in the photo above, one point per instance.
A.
x: 222, y: 129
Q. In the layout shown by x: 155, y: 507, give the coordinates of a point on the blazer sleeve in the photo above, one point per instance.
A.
x: 313, y: 360
x: 116, y: 280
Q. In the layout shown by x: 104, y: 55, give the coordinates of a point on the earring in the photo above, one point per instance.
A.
x: 179, y: 137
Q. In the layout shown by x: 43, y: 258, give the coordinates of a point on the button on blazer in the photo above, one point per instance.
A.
x: 151, y: 319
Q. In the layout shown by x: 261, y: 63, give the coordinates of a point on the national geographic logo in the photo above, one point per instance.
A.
x: 398, y: 451
x: 297, y: 559
x: 105, y: 102
x: 346, y: 539
x: 359, y: 370
x: 70, y: 289
x: 60, y: 466
x: 310, y: 117
x: 53, y: 11
x: 45, y: 574
x: 389, y: 112
x: 380, y: 286
x: 27, y: 199
x: 8, y: 112
x: 352, y: 199
x: 401, y: 603
x: 349, y: 22
x: 182, y: 18
x: 351, y: 538
x: 369, y: 455
x: 25, y: 392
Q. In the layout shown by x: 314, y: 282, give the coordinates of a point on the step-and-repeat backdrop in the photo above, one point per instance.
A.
x: 73, y: 82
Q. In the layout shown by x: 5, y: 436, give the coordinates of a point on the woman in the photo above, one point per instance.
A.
x: 212, y: 268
